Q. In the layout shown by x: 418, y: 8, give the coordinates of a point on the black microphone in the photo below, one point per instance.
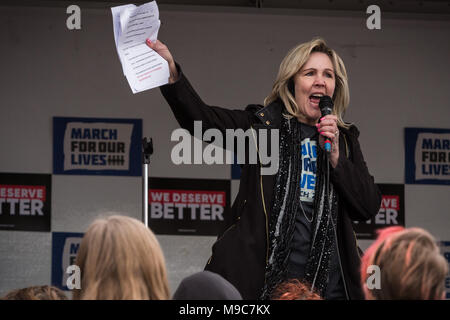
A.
x: 326, y: 108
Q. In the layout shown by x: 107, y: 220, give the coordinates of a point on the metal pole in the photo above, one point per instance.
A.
x: 145, y: 195
x: 147, y: 151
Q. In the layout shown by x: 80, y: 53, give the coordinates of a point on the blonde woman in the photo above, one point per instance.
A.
x: 279, y: 227
x: 120, y: 259
x: 410, y: 266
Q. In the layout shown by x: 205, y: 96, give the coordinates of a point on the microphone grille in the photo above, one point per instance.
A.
x: 325, y: 102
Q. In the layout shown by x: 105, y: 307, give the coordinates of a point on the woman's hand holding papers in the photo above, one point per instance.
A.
x: 164, y: 52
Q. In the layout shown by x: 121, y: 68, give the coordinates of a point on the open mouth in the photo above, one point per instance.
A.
x: 315, y: 99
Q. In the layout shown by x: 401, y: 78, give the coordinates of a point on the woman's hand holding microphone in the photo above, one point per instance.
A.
x: 328, y: 130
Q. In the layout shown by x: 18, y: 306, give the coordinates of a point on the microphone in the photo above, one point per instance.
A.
x: 326, y: 108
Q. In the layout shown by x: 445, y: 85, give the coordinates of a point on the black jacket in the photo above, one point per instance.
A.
x: 240, y: 252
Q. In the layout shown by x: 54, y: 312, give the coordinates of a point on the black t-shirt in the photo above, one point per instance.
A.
x: 301, y: 242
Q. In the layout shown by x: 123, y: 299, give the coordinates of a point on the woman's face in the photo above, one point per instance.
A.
x: 315, y: 79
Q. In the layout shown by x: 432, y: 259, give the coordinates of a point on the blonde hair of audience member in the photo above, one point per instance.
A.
x: 411, y: 266
x: 36, y: 293
x: 120, y: 259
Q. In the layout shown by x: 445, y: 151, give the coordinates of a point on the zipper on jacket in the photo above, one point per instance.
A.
x: 267, y: 225
x: 336, y: 238
x: 262, y: 200
x: 340, y: 264
x: 337, y: 251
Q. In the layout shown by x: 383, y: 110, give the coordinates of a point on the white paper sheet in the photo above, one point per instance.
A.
x: 142, y: 66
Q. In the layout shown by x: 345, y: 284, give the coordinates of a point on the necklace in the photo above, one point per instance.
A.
x: 304, y: 213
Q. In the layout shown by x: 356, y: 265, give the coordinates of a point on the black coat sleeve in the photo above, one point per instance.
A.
x: 356, y: 187
x: 188, y: 107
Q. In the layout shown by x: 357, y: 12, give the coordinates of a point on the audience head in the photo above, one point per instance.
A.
x: 293, y: 289
x: 411, y: 266
x: 206, y: 285
x: 36, y: 293
x: 120, y: 259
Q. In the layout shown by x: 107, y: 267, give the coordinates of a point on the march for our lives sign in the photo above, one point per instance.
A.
x: 65, y: 246
x: 427, y: 156
x: 92, y: 146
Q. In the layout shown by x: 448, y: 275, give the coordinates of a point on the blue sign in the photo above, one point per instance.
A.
x: 427, y: 156
x: 65, y: 247
x: 92, y: 146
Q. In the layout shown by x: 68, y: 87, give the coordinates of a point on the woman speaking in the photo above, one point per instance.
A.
x: 293, y: 224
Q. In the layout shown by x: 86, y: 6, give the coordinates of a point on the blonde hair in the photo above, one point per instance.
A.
x: 410, y: 263
x: 293, y: 62
x: 121, y: 259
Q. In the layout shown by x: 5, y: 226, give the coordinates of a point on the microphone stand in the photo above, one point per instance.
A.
x: 147, y: 151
